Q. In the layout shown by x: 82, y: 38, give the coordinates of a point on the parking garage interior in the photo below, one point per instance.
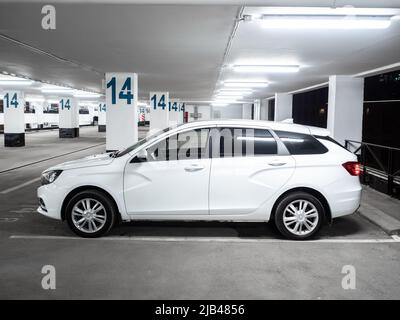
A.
x: 344, y: 78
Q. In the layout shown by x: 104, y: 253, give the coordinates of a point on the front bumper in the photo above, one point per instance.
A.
x: 50, y: 201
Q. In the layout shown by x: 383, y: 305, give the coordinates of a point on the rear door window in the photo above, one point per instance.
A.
x: 299, y: 143
x: 240, y: 142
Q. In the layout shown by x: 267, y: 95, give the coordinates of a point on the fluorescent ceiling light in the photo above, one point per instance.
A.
x: 225, y: 100
x: 228, y: 97
x: 324, y: 11
x: 55, y: 89
x: 16, y: 82
x: 246, y: 84
x: 233, y: 93
x: 219, y: 104
x: 249, y: 90
x: 266, y: 68
x: 325, y: 22
x: 84, y: 94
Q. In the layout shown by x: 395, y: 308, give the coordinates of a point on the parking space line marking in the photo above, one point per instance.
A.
x: 204, y: 239
x: 20, y: 186
x: 396, y: 237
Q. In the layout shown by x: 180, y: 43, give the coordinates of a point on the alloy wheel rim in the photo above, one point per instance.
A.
x: 89, y: 215
x: 300, y: 217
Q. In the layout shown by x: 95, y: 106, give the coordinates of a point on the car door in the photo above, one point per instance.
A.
x: 174, y: 178
x: 248, y: 167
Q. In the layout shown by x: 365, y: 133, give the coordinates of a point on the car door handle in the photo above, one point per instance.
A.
x: 277, y: 164
x: 194, y: 168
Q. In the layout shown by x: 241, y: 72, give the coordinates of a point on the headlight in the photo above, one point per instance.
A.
x: 50, y: 176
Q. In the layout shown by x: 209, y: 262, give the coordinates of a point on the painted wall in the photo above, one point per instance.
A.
x: 205, y: 112
x: 232, y: 111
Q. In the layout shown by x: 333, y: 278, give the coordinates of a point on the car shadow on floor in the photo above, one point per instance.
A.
x: 341, y: 227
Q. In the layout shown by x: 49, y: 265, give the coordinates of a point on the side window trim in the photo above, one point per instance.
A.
x: 282, y: 149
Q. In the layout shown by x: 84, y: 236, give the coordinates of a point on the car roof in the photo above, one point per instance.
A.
x: 273, y: 125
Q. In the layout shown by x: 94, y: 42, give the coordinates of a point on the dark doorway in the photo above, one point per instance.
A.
x: 311, y: 108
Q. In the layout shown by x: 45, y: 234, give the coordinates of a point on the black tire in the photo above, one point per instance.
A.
x: 109, y: 212
x: 284, y: 203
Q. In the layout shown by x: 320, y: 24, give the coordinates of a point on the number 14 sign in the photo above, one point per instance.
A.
x: 121, y: 101
x: 159, y: 110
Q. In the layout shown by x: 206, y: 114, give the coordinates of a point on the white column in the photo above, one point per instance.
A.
x: 102, y: 117
x: 39, y: 113
x: 283, y: 106
x: 181, y: 112
x: 257, y: 109
x: 345, y: 107
x: 173, y: 107
x: 246, y: 111
x: 14, y: 119
x: 159, y: 110
x: 68, y: 122
x: 264, y: 109
x: 122, y: 116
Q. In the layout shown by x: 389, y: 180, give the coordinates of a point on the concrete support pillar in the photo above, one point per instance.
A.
x: 68, y: 111
x: 122, y: 115
x: 257, y: 109
x: 14, y: 119
x: 283, y: 106
x: 159, y: 110
x: 173, y: 108
x: 102, y: 117
x: 246, y: 110
x: 345, y: 107
x: 39, y: 106
x: 181, y: 112
x: 264, y: 109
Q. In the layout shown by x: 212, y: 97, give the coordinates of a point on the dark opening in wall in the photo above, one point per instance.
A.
x: 381, y: 126
x: 271, y: 109
x: 311, y: 107
x: 384, y: 86
x: 381, y: 119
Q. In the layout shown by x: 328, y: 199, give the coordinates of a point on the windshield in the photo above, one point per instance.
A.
x: 141, y: 142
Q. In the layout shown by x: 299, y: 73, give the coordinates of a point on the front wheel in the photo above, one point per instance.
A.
x: 90, y: 214
x: 299, y: 216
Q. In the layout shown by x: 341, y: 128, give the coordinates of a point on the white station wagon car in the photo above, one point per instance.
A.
x: 233, y: 170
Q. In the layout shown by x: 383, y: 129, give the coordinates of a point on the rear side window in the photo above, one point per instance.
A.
x: 239, y: 142
x: 299, y: 143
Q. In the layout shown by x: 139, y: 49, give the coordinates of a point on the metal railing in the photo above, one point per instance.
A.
x: 377, y: 160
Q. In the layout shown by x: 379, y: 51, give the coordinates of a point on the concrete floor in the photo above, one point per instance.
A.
x: 177, y: 260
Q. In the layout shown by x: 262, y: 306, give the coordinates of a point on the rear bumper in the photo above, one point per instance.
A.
x: 346, y: 202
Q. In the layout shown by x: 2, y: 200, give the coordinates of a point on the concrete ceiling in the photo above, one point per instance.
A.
x: 173, y: 48
x: 180, y: 48
x: 319, y: 53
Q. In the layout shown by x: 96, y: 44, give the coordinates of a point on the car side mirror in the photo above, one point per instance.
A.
x: 141, y: 156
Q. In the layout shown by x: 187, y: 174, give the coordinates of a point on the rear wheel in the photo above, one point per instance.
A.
x: 299, y: 216
x: 90, y: 214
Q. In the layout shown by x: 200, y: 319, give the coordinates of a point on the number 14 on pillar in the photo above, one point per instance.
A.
x: 159, y: 110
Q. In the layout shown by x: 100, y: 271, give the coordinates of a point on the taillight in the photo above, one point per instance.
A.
x: 352, y: 167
